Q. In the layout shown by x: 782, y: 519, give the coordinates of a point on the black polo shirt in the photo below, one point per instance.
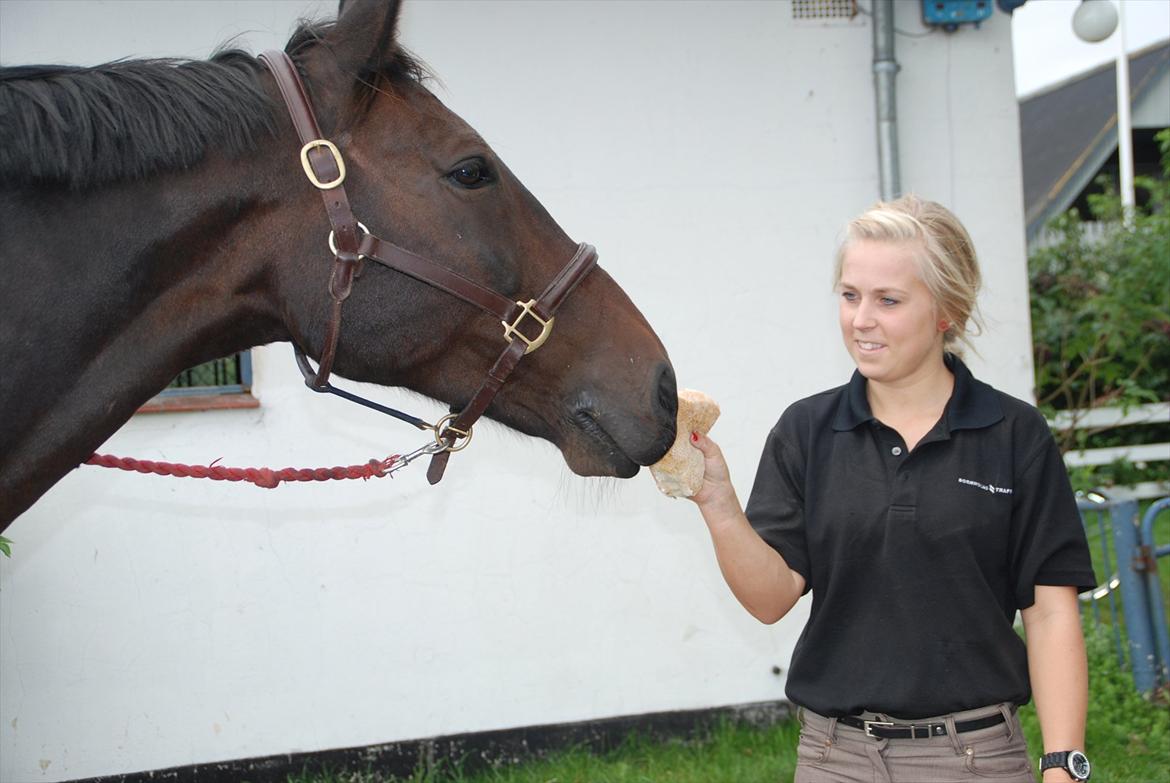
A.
x: 917, y: 561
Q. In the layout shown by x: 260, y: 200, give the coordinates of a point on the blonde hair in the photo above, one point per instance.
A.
x: 944, y: 254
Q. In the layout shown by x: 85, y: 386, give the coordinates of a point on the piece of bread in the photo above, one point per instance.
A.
x: 680, y: 473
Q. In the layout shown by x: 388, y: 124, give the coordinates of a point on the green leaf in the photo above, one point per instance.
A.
x: 6, y: 546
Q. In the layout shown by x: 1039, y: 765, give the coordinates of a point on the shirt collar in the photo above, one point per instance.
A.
x: 973, y: 404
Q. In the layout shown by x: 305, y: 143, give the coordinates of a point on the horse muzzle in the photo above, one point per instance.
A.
x: 614, y: 435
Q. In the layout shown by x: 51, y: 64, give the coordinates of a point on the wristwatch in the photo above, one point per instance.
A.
x: 1074, y: 762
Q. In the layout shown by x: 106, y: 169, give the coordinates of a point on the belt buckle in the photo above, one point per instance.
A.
x: 869, y: 724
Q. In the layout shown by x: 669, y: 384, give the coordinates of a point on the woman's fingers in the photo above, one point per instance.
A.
x: 716, y: 479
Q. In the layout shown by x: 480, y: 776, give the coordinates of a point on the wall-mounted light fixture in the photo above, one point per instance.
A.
x: 1095, y: 20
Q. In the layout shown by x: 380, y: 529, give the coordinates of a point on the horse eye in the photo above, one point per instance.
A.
x: 471, y: 174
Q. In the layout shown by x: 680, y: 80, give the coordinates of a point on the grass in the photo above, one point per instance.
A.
x: 729, y: 753
x: 1127, y: 737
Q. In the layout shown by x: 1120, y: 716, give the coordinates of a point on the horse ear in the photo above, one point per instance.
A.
x: 363, y: 38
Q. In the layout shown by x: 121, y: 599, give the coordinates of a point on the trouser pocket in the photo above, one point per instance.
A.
x: 1002, y: 758
x: 814, y: 748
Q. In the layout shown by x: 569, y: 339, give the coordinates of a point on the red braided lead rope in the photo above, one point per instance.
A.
x: 261, y: 477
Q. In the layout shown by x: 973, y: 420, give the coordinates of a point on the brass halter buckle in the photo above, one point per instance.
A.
x: 336, y: 153
x: 513, y: 328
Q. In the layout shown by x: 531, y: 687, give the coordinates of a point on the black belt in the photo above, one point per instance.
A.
x: 890, y: 730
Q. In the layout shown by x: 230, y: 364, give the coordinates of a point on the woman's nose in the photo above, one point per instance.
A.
x: 863, y: 316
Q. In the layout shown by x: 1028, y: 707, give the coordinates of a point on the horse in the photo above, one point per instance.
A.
x: 153, y: 216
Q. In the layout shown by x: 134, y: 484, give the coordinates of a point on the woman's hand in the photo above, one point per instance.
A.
x: 717, y: 493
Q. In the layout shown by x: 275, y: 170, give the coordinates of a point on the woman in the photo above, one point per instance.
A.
x: 922, y: 508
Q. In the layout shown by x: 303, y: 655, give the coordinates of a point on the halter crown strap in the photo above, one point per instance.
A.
x: 325, y: 169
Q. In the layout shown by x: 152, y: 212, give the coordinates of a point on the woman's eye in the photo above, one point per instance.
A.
x: 471, y: 174
x: 887, y: 301
x: 848, y: 296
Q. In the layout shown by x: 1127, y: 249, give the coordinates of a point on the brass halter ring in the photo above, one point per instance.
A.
x: 440, y: 432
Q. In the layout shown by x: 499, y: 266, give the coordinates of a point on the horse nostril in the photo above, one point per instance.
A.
x: 667, y: 394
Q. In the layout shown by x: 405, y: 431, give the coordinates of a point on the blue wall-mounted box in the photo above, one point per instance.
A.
x: 952, y: 13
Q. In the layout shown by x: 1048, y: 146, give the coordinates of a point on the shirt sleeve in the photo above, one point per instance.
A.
x: 1048, y: 535
x: 776, y: 505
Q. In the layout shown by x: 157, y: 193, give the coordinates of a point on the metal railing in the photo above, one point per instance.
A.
x: 1127, y: 552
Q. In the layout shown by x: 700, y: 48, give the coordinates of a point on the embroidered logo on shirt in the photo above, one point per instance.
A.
x: 988, y: 487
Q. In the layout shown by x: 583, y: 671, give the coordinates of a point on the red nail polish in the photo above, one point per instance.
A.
x: 694, y: 437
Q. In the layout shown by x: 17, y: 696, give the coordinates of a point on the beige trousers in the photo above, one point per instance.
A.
x: 830, y: 752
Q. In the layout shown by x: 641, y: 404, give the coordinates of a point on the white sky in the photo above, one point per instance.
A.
x: 1047, y: 50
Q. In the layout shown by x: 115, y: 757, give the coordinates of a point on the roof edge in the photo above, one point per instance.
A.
x: 1107, y: 65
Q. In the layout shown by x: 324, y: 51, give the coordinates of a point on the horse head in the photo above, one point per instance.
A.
x: 156, y: 217
x: 601, y: 388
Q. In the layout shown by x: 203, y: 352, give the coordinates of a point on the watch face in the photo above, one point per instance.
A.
x: 1078, y: 765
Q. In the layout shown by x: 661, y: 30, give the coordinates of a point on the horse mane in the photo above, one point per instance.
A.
x: 81, y: 127
x: 125, y: 120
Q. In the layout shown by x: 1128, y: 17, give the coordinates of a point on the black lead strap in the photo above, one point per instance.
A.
x: 328, y: 388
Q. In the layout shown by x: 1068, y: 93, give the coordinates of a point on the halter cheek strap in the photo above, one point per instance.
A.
x: 351, y: 243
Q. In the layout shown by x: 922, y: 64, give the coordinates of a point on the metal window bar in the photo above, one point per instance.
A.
x: 229, y: 375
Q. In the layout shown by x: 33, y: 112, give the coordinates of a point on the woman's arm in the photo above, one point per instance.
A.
x: 1058, y: 669
x: 755, y: 572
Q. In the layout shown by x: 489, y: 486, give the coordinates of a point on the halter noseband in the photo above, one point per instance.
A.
x: 325, y: 169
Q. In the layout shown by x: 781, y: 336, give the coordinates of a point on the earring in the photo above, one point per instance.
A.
x: 943, y: 326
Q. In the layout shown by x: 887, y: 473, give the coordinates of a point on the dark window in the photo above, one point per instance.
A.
x: 230, y: 375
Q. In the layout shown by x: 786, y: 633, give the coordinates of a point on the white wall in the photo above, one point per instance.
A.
x: 712, y: 151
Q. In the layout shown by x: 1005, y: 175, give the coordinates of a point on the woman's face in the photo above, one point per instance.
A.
x: 889, y: 319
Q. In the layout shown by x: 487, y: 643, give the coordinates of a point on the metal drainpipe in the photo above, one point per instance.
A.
x: 885, y: 70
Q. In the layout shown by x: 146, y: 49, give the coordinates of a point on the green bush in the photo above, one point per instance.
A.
x: 1101, y: 315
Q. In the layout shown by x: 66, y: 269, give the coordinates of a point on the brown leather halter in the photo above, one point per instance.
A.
x: 325, y: 169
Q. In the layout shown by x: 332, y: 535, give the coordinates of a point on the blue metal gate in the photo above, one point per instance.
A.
x: 1126, y: 551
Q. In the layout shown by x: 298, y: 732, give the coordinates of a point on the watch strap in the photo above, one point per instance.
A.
x: 1051, y: 760
x: 1061, y: 760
